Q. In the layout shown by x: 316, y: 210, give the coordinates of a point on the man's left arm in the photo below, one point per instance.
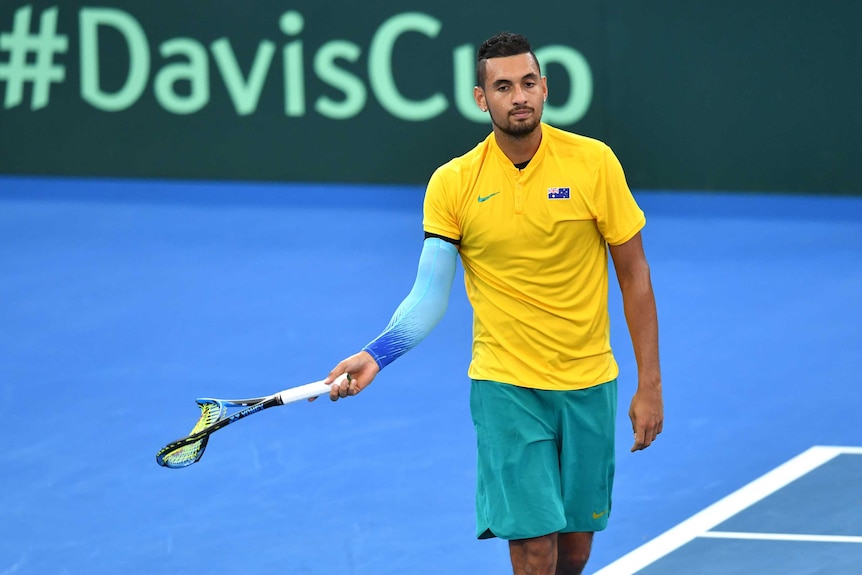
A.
x: 647, y: 407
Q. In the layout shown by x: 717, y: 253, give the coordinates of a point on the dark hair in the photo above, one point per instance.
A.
x: 500, y: 46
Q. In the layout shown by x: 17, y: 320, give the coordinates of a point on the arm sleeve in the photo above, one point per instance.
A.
x: 423, y: 307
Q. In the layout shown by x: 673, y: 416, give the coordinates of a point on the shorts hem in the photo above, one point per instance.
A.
x: 489, y: 533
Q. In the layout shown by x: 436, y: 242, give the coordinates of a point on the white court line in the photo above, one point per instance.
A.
x: 782, y: 537
x: 698, y: 524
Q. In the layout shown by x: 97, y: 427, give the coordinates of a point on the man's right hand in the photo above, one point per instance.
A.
x: 362, y: 370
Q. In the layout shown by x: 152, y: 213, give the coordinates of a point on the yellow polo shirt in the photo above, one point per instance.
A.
x: 534, y: 252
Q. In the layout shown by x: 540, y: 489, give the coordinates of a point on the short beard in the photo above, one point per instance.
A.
x: 517, y: 130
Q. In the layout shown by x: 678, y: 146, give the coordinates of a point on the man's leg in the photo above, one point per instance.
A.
x: 534, y: 556
x: 554, y: 554
x: 587, y: 462
x: 573, y: 551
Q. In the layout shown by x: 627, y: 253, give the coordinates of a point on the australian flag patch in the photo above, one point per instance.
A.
x: 558, y: 193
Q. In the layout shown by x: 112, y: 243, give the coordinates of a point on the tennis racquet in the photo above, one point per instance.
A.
x: 188, y: 450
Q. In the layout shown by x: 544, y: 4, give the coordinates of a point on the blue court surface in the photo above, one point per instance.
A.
x: 123, y: 301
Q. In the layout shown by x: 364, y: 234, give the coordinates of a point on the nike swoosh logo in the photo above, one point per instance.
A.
x: 598, y: 515
x: 483, y: 198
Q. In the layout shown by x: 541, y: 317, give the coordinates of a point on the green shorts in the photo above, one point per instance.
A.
x: 545, y: 459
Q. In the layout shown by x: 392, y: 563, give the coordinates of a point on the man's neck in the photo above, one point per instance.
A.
x: 519, y: 149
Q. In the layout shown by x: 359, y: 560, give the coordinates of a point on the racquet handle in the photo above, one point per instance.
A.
x: 308, y: 390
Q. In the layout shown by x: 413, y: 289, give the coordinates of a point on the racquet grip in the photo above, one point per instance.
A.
x: 308, y: 390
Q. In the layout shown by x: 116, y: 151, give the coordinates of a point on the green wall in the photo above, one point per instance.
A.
x: 728, y: 95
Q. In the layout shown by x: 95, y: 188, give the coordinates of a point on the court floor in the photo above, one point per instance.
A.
x: 801, y: 517
x: 123, y: 301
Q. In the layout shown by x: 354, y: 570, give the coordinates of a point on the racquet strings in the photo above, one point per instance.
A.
x: 211, y: 411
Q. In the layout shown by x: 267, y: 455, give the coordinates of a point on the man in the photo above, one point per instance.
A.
x: 532, y: 212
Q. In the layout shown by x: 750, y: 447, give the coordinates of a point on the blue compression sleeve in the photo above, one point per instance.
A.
x: 423, y: 307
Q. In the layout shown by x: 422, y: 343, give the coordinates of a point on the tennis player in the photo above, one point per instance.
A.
x: 533, y: 211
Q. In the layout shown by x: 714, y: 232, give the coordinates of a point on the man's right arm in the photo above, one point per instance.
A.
x: 412, y: 321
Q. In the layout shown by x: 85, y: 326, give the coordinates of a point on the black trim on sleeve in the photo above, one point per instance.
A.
x: 444, y: 238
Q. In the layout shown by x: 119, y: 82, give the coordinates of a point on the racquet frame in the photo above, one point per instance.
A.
x: 251, y: 406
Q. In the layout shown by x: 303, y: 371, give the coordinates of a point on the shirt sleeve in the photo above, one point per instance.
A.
x: 618, y: 215
x: 439, y: 213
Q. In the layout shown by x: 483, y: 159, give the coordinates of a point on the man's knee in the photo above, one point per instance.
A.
x: 572, y: 563
x: 535, y: 556
x: 573, y: 552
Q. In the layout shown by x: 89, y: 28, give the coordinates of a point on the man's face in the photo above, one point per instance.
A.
x: 514, y: 94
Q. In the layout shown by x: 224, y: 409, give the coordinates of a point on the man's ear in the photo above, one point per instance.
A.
x: 479, y: 96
